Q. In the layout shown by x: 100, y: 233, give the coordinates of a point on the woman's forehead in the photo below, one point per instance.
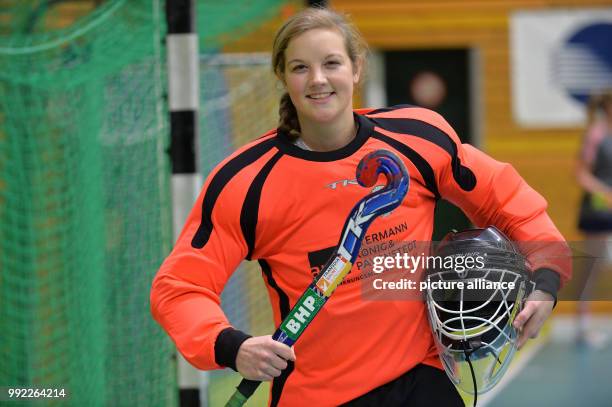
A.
x: 315, y: 43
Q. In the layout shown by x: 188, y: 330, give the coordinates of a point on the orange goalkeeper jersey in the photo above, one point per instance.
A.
x: 285, y: 207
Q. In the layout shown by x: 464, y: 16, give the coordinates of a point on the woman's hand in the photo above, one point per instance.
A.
x: 529, y: 321
x: 262, y: 358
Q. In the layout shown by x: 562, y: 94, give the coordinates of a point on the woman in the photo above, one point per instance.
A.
x: 283, y: 199
x: 594, y: 174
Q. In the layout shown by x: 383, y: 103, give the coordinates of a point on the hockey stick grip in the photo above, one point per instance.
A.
x: 245, y: 389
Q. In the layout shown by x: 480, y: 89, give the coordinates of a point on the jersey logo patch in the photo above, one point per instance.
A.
x: 318, y: 258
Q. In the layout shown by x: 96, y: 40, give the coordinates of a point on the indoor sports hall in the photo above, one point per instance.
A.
x: 113, y: 113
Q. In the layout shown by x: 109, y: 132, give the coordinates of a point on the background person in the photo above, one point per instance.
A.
x: 594, y: 175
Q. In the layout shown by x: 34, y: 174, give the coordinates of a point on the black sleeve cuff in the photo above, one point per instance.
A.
x: 226, y: 346
x: 548, y: 281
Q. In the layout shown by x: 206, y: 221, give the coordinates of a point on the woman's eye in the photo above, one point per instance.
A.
x: 298, y: 68
x: 332, y: 63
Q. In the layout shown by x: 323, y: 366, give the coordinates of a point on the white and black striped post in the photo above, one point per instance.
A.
x: 183, y: 101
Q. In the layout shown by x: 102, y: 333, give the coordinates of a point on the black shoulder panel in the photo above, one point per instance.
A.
x: 250, y: 206
x: 221, y: 178
x: 419, y: 162
x: 464, y: 177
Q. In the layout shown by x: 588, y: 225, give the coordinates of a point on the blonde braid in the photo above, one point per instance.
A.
x: 288, y: 119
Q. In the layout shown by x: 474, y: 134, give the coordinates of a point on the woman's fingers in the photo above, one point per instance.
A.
x: 262, y: 358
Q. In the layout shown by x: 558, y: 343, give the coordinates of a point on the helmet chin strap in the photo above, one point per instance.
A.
x: 470, y: 346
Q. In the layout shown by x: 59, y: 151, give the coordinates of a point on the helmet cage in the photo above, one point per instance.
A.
x: 472, y: 328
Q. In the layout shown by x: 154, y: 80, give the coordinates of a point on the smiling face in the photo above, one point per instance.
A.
x: 319, y: 77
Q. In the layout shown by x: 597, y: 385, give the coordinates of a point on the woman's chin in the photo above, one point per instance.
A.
x: 324, y: 117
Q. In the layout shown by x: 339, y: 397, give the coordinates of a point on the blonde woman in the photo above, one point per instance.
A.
x: 283, y: 199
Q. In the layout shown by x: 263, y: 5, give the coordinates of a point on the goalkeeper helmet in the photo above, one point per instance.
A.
x: 479, y: 286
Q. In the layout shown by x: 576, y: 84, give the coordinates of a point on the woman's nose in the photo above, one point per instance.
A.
x: 317, y: 76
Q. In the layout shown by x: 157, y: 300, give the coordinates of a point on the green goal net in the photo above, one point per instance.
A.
x: 85, y: 217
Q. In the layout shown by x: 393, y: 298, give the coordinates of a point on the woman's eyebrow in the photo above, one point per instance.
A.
x: 332, y: 55
x: 294, y: 61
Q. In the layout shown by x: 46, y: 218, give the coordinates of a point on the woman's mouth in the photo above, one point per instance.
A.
x: 321, y: 96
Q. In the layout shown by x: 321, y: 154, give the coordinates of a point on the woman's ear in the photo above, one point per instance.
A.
x: 280, y: 75
x: 281, y: 81
x: 357, y: 67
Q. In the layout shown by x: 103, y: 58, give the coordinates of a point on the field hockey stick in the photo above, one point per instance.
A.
x: 318, y: 292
